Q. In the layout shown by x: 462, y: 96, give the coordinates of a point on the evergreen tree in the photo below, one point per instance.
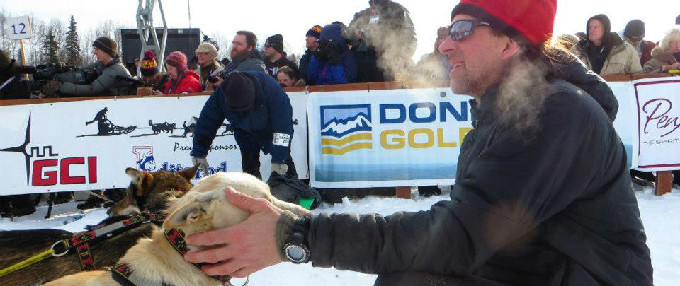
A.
x: 50, y: 48
x: 73, y: 45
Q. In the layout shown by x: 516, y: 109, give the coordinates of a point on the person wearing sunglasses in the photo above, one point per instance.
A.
x: 542, y: 193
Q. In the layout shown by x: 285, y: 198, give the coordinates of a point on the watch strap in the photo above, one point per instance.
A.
x: 284, y: 228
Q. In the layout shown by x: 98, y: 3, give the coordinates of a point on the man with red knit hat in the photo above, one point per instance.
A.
x: 542, y: 193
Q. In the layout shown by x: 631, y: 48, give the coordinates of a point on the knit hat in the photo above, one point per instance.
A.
x: 106, y: 45
x: 148, y: 66
x: 177, y: 59
x: 208, y: 48
x: 239, y: 91
x: 635, y: 30
x: 314, y: 31
x: 532, y: 19
x: 276, y: 42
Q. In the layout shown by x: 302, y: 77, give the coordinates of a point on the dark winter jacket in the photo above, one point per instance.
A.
x: 14, y: 88
x: 187, y: 82
x: 248, y: 62
x: 273, y: 67
x: 304, y: 65
x: 554, y: 210
x: 253, y: 129
x: 333, y: 63
x: 105, y: 83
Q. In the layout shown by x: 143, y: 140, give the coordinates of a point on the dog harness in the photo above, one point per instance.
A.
x: 124, y: 275
x: 81, y: 241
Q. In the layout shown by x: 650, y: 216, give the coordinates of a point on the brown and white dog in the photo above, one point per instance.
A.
x: 151, y: 192
x: 155, y: 261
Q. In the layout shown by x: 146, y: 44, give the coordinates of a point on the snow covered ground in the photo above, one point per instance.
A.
x: 661, y: 217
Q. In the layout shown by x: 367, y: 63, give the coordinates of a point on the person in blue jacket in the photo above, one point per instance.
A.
x: 332, y: 63
x: 262, y: 118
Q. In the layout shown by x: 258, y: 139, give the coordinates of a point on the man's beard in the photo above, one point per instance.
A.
x: 237, y: 53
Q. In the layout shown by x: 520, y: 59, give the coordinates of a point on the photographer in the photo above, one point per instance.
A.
x: 100, y: 77
x: 383, y: 39
x: 11, y: 86
x: 332, y: 63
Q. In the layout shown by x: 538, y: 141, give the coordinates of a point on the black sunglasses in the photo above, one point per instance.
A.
x: 462, y: 29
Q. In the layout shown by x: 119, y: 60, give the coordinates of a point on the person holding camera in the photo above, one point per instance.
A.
x: 150, y: 74
x: 332, y: 63
x: 100, y: 77
x: 206, y: 54
x: 384, y: 40
x: 262, y: 117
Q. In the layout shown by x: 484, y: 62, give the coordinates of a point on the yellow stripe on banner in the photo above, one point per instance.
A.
x: 342, y: 151
x: 340, y: 142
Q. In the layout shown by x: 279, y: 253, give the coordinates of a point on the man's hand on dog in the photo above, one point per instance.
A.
x: 241, y: 249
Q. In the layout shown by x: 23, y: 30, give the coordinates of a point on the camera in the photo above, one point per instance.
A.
x: 213, y: 78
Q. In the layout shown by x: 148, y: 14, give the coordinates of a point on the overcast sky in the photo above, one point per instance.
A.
x: 293, y: 18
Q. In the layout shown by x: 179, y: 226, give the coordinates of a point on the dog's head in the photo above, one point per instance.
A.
x: 153, y: 192
x: 205, y: 207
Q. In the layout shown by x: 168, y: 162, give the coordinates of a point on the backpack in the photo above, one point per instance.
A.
x: 293, y: 190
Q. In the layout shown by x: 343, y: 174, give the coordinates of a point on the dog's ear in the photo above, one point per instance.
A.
x: 189, y: 173
x: 140, y: 179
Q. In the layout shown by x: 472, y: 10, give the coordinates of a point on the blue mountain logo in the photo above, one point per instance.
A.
x: 346, y: 128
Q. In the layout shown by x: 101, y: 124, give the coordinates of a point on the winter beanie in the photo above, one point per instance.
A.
x: 239, y: 91
x: 148, y: 66
x: 314, y: 31
x: 177, y: 59
x: 276, y: 42
x: 106, y: 45
x: 533, y: 19
x: 635, y: 30
x: 208, y: 48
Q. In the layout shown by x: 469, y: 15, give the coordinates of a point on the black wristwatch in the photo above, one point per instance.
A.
x: 296, y: 249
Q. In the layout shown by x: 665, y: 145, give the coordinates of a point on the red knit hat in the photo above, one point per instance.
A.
x: 533, y: 19
x: 178, y: 60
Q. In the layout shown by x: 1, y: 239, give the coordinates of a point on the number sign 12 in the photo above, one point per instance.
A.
x: 19, y: 28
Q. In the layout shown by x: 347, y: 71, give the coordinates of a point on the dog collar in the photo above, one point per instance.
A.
x: 176, y: 238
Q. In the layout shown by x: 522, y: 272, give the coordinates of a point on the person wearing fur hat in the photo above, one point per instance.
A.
x: 208, y: 66
x: 262, y: 117
x: 312, y: 44
x: 275, y: 57
x: 105, y: 71
x: 542, y: 194
x: 604, y: 51
x: 666, y: 56
x: 182, y: 79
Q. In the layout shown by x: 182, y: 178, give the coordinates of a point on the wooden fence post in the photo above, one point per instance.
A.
x: 664, y: 183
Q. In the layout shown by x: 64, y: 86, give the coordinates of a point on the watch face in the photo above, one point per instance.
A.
x: 296, y: 253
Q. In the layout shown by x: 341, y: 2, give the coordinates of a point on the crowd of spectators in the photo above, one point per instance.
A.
x: 378, y: 45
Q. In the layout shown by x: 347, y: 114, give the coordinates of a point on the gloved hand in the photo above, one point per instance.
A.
x: 280, y: 168
x: 203, y: 161
x: 51, y: 88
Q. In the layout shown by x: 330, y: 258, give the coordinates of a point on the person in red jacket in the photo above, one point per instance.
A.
x: 182, y: 79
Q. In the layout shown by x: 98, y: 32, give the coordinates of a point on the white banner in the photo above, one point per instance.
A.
x: 386, y: 137
x: 658, y: 102
x: 87, y: 145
